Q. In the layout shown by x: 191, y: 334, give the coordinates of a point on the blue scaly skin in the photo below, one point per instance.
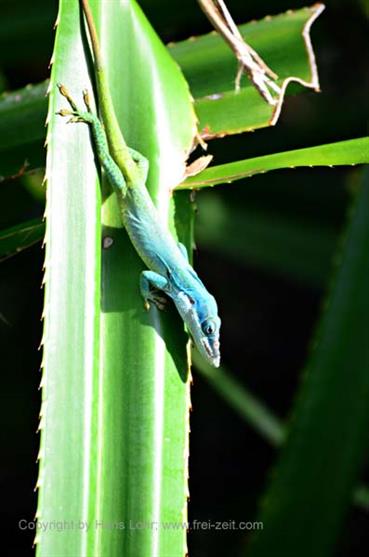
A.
x: 170, y: 272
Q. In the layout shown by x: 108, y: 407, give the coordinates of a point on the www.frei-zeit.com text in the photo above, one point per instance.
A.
x: 84, y: 525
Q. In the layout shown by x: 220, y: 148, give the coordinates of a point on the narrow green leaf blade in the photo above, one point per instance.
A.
x: 68, y: 418
x: 350, y: 152
x: 327, y: 442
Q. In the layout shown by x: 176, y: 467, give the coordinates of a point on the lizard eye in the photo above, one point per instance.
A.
x: 208, y: 327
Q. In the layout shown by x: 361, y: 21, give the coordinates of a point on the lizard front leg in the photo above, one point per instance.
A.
x: 151, y: 284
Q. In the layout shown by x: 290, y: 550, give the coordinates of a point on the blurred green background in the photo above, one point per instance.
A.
x: 264, y: 246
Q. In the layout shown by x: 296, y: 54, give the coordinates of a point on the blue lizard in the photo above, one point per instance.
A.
x: 170, y: 272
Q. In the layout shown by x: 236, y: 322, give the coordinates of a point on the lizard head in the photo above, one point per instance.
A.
x: 203, y: 325
x: 208, y: 340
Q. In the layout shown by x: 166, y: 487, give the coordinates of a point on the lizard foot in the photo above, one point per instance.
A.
x: 159, y: 301
x: 76, y: 114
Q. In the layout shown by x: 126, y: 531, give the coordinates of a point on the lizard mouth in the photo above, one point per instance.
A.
x: 212, y: 353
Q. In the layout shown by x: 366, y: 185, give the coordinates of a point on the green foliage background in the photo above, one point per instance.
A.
x: 265, y: 248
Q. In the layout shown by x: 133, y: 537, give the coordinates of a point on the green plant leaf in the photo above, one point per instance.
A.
x: 210, y: 67
x: 350, y: 152
x: 327, y: 441
x: 17, y: 238
x: 68, y: 417
x: 22, y: 129
x: 114, y: 427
